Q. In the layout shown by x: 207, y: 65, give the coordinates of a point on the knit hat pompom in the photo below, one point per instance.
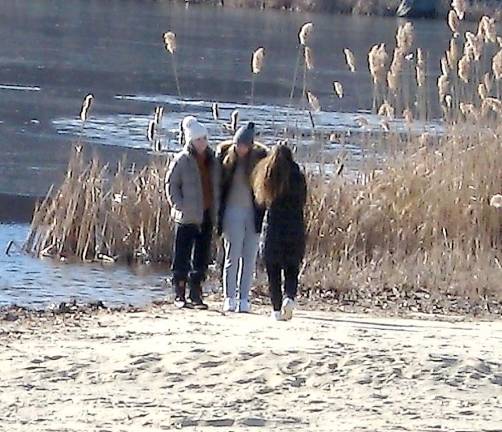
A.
x: 245, y: 135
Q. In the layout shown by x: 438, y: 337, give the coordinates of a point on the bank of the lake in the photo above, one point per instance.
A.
x: 411, y: 8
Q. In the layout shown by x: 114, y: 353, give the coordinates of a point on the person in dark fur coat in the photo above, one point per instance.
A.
x: 280, y: 186
x: 240, y: 218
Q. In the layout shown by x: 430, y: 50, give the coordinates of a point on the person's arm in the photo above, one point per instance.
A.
x: 303, y: 189
x: 174, y: 189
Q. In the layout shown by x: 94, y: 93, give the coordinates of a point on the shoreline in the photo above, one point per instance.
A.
x: 72, y: 309
x: 387, y: 8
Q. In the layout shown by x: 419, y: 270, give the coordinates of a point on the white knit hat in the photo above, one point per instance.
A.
x: 193, y: 129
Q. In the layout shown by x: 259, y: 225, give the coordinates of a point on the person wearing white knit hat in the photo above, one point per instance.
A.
x: 192, y: 188
x: 195, y: 133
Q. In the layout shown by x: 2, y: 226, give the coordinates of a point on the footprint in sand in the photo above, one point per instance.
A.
x: 224, y: 422
x: 254, y: 422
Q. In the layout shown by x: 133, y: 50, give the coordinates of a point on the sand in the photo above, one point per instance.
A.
x: 165, y: 369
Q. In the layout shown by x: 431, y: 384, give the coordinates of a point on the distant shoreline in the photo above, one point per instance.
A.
x: 440, y: 8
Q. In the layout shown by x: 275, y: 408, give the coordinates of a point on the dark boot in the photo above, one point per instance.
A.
x: 196, y: 296
x: 180, y: 295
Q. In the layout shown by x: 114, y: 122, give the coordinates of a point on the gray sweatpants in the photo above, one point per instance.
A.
x: 241, y: 247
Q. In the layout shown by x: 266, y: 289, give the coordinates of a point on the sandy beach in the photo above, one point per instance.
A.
x: 165, y: 369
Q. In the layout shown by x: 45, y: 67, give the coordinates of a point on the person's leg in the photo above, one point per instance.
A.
x: 291, y: 272
x: 183, y: 242
x: 233, y: 237
x: 200, y: 261
x: 248, y: 264
x: 274, y: 284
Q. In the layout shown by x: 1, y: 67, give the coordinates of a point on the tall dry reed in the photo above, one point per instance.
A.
x: 170, y: 45
x: 100, y: 216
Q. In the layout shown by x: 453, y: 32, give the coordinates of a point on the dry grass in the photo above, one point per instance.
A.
x: 427, y: 219
x: 95, y: 216
x: 423, y: 222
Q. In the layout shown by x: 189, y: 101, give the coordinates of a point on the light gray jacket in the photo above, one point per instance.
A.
x: 184, y: 188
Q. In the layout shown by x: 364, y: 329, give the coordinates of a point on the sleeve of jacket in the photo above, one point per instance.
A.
x: 173, y: 184
x: 303, y: 189
x: 217, y: 185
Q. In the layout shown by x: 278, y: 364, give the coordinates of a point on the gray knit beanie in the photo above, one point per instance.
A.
x: 244, y: 135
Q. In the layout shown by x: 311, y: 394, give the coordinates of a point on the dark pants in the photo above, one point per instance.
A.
x: 192, y: 248
x: 274, y: 272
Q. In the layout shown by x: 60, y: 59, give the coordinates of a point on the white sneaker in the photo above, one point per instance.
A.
x: 229, y: 305
x: 244, y: 306
x: 277, y: 316
x: 287, y: 308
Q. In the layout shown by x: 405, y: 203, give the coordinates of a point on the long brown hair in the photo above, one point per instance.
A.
x: 271, y: 175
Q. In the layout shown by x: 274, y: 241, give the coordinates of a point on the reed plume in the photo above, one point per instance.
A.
x: 386, y: 110
x: 467, y: 109
x: 487, y: 81
x: 305, y: 33
x: 150, y: 131
x: 257, y: 60
x: 454, y: 23
x: 443, y: 87
x: 453, y: 53
x: 396, y: 69
x: 84, y: 115
x: 304, y: 37
x: 215, y: 110
x: 496, y: 201
x: 350, y: 59
x: 405, y: 36
x: 487, y: 29
x: 421, y: 78
x: 474, y: 45
x: 158, y: 114
x: 86, y: 107
x: 491, y: 104
x: 338, y: 89
x: 377, y: 61
x: 408, y: 116
x: 482, y: 91
x: 497, y: 65
x: 385, y: 125
x: 234, y: 120
x: 313, y: 101
x: 170, y: 46
x: 460, y: 7
x: 464, y: 67
x: 445, y: 67
x: 170, y: 41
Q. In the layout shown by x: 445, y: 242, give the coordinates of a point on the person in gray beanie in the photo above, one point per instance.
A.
x: 240, y: 218
x: 192, y: 188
